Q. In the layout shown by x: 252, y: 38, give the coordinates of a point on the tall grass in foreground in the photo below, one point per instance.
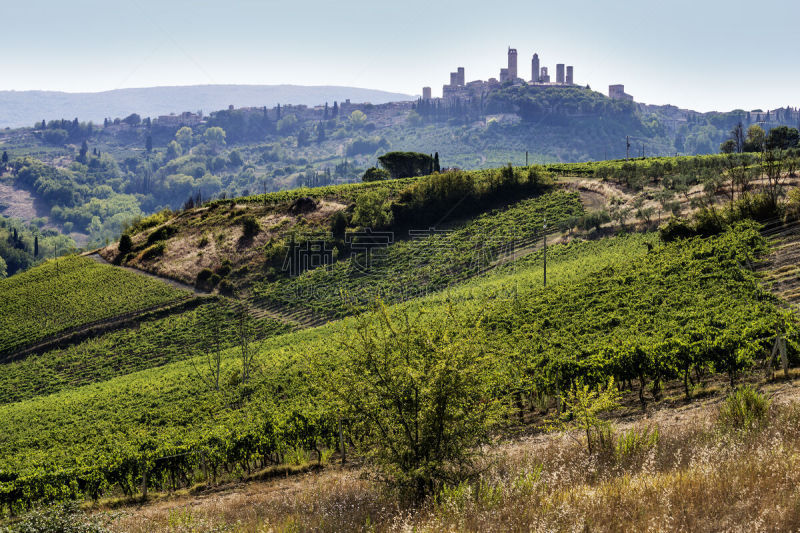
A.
x: 687, y: 475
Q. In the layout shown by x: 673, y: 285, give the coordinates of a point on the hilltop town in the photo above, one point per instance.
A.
x: 459, y: 89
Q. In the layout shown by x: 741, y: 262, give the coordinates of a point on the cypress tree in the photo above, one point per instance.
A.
x: 436, y: 167
x: 82, y: 154
x: 35, y: 246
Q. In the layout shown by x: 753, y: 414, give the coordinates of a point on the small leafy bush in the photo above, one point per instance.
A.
x: 633, y: 443
x: 152, y: 221
x: 157, y: 250
x: 339, y: 225
x: 744, y: 410
x: 583, y: 405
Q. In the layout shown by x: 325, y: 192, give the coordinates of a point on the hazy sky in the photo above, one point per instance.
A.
x: 702, y: 54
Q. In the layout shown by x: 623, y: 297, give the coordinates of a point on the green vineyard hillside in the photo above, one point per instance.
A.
x: 70, y: 292
x: 595, y: 319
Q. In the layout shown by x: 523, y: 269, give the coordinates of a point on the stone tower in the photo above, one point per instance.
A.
x: 560, y: 73
x: 570, y: 77
x: 461, y: 80
x: 535, y: 69
x: 512, y: 63
x: 426, y: 93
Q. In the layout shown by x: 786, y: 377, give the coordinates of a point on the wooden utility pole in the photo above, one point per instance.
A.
x: 544, y: 228
x: 526, y: 158
x: 627, y: 147
x: 341, y: 442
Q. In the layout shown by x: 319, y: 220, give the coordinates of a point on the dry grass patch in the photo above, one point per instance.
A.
x: 204, y: 238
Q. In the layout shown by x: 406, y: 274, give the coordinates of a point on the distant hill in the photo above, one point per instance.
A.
x: 24, y: 108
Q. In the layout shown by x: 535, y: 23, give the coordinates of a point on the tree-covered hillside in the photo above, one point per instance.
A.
x: 93, y: 179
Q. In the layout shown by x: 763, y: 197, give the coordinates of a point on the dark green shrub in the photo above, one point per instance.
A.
x: 375, y: 174
x: 226, y: 288
x: 406, y: 164
x: 594, y: 219
x: 203, y: 276
x: 250, y: 226
x: 206, y: 279
x: 676, y: 228
x: 339, y: 225
x: 754, y: 206
x: 744, y: 410
x: 225, y: 268
x: 125, y: 244
x: 161, y: 234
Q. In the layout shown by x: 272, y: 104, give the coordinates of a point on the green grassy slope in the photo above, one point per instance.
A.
x: 56, y: 296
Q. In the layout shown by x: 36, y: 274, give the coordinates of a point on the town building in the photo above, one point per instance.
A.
x: 186, y: 118
x: 617, y: 92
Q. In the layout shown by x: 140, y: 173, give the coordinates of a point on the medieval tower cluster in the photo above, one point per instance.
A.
x: 539, y: 74
x: 458, y: 88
